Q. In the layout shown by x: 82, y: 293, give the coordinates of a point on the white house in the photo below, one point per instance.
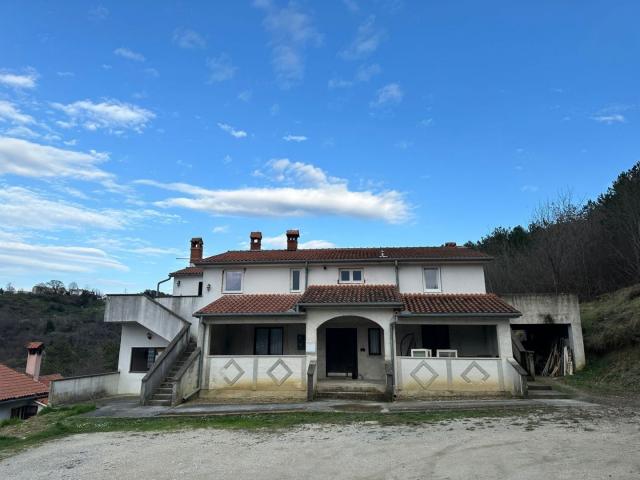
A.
x: 397, y: 322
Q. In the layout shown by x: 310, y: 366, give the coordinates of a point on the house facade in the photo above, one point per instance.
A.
x: 304, y: 323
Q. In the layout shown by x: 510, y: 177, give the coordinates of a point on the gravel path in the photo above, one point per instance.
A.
x: 594, y: 444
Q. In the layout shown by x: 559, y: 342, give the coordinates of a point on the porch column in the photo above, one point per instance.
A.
x: 505, y: 350
x: 206, y: 347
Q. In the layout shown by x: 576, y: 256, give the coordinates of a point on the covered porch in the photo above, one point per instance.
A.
x: 455, y: 345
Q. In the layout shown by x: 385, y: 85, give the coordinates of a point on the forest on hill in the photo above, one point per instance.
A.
x: 586, y: 248
x: 77, y: 341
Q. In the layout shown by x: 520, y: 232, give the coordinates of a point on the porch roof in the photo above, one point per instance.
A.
x: 439, y: 304
x: 332, y: 295
x: 188, y: 271
x: 252, y: 304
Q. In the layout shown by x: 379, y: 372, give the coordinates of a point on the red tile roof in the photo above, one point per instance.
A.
x: 347, y: 254
x: 34, y: 345
x: 351, y: 294
x: 458, y: 304
x: 186, y: 272
x: 251, y: 304
x: 15, y: 385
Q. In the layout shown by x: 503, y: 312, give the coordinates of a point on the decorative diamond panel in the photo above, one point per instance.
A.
x: 279, y: 372
x: 479, y: 376
x: 232, y: 372
x: 424, y: 374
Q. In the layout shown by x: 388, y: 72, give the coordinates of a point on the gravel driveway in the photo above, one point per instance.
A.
x: 581, y: 444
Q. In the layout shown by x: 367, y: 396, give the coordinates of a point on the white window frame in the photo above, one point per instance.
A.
x: 351, y: 280
x: 224, y: 281
x: 424, y: 279
x: 446, y: 353
x: 291, y: 280
x: 421, y: 353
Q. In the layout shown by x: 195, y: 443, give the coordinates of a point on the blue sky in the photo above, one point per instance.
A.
x: 126, y: 128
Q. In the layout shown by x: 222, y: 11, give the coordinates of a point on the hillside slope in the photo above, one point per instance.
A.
x: 77, y: 341
x: 611, y: 328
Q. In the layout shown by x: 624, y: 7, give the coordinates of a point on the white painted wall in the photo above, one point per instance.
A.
x: 134, y: 335
x: 5, y: 407
x: 188, y: 285
x: 455, y: 278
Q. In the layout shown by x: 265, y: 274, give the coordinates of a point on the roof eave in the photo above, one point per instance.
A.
x: 204, y: 263
x: 353, y: 304
x: 461, y: 314
x: 254, y: 314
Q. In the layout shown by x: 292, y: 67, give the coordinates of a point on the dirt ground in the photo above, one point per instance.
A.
x: 595, y: 443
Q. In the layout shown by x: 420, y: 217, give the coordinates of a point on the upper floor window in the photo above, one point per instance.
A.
x: 351, y: 276
x: 232, y: 281
x: 432, y: 279
x: 296, y: 276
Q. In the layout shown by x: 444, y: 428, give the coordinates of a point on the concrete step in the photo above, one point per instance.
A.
x: 165, y: 390
x: 547, y: 394
x: 347, y: 386
x: 159, y: 403
x: 539, y: 386
x: 166, y: 385
x: 161, y: 396
x: 360, y: 396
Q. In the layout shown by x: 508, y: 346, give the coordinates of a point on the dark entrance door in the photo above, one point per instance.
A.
x: 342, y: 351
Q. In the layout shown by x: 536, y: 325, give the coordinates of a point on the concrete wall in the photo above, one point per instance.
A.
x: 86, y: 387
x: 185, y: 307
x: 425, y: 377
x: 140, y: 309
x: 561, y: 309
x: 134, y: 335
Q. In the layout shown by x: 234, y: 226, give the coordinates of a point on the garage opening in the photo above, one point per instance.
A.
x: 549, y: 344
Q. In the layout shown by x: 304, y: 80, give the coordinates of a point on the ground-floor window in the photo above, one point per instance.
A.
x: 375, y: 341
x: 24, y: 412
x: 143, y: 358
x: 268, y: 341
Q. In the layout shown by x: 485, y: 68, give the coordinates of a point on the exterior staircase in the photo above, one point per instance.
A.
x: 542, y: 389
x: 162, y: 395
x: 347, y: 389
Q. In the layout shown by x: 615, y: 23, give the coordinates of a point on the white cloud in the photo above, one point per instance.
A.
x: 14, y: 80
x: 367, y: 41
x: 98, y: 13
x: 129, y: 54
x: 529, y: 188
x: 65, y: 74
x: 26, y: 209
x: 610, y: 119
x: 187, y: 38
x: 295, y: 138
x: 30, y: 256
x: 21, y: 131
x: 313, y: 193
x: 111, y: 115
x: 245, y: 96
x: 8, y: 111
x: 291, y: 31
x: 220, y: 68
x: 221, y: 229
x: 280, y: 242
x: 363, y: 74
x: 232, y: 131
x: 28, y: 159
x: 390, y: 94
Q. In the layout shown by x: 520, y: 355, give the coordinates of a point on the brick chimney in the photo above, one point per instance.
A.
x: 450, y: 244
x: 292, y: 239
x: 34, y: 359
x: 256, y: 240
x: 197, y: 247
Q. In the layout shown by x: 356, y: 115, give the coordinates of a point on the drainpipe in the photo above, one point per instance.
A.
x: 158, y: 286
x: 397, y: 274
x: 306, y: 275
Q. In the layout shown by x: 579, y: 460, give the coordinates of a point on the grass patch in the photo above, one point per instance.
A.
x: 616, y: 372
x: 60, y: 422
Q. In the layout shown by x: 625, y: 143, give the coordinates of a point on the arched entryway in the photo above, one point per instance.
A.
x: 351, y: 347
